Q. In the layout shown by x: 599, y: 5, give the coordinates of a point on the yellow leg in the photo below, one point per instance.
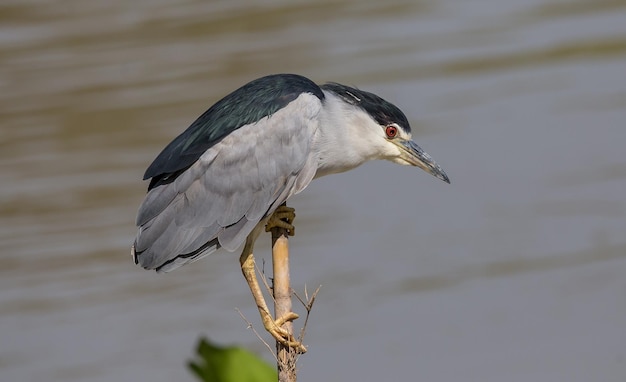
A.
x: 271, y: 325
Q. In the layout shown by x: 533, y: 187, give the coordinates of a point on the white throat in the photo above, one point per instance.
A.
x: 346, y: 138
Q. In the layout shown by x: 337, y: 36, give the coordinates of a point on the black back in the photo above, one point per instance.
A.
x: 250, y: 103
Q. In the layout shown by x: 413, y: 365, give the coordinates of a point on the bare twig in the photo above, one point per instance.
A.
x: 308, y: 305
x: 286, y: 355
x: 250, y: 326
x: 287, y: 352
x: 264, y: 279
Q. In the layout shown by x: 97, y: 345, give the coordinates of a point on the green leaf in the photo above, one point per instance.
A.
x: 229, y: 364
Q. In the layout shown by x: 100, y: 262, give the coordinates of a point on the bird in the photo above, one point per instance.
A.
x: 225, y: 179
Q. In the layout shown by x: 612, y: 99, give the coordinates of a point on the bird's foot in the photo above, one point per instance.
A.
x: 283, y: 217
x: 281, y: 335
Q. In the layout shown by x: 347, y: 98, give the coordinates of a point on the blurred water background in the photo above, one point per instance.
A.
x: 514, y: 272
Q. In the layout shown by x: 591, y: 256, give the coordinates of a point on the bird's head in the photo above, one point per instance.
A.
x: 382, y: 130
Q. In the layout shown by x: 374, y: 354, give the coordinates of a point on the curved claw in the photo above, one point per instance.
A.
x: 281, y: 335
x: 283, y: 217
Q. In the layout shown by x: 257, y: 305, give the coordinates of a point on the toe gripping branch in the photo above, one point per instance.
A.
x: 283, y: 218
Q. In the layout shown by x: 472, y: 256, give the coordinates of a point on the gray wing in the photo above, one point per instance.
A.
x: 234, y: 185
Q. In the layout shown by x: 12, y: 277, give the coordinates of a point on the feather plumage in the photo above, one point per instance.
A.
x: 229, y: 189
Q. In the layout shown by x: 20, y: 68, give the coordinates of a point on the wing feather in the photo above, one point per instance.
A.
x: 232, y: 187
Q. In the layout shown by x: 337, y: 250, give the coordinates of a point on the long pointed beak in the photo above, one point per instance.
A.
x: 414, y: 155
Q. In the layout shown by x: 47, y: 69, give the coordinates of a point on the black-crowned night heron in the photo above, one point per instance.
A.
x: 221, y: 181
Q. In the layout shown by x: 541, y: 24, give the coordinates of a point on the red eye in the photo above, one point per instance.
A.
x: 391, y: 131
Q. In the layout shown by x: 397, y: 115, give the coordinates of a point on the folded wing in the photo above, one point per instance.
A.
x: 234, y: 185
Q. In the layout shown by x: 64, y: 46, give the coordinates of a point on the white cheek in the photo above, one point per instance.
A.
x: 390, y: 151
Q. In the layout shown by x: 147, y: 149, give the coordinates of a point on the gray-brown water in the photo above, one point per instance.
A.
x: 514, y: 272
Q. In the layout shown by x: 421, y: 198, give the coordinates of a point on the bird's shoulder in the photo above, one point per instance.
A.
x: 248, y: 104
